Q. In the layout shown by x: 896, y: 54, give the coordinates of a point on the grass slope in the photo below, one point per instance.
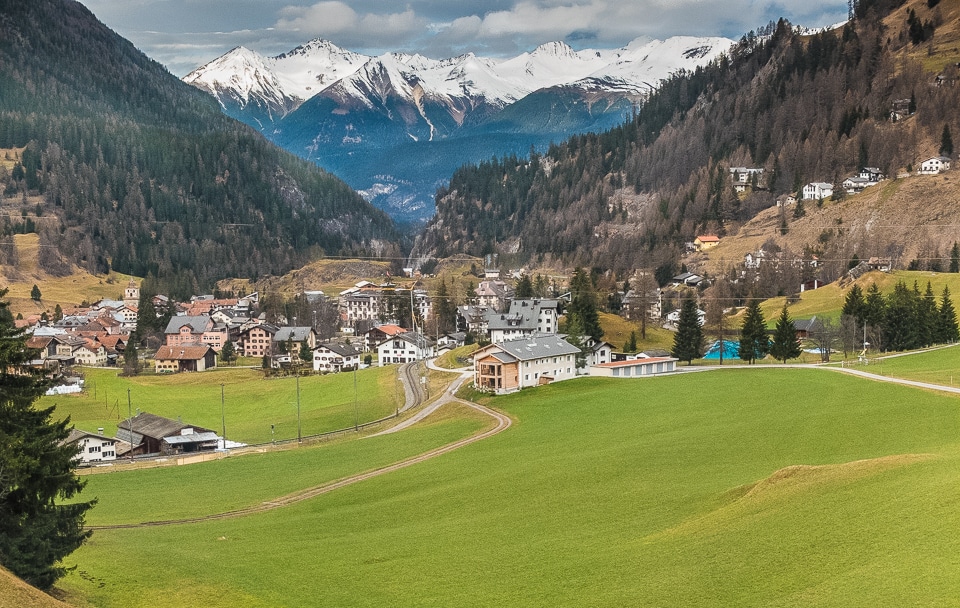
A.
x: 251, y: 403
x: 14, y: 593
x: 738, y: 487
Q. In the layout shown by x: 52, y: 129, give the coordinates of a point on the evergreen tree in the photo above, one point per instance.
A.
x: 524, y: 289
x: 630, y: 346
x: 583, y: 304
x: 754, y: 342
x: 445, y: 309
x: 853, y: 303
x: 35, y: 293
x: 131, y: 359
x: 785, y: 344
x: 900, y: 326
x: 39, y: 525
x: 874, y: 315
x: 927, y: 317
x: 57, y: 313
x: 575, y: 336
x: 955, y: 258
x: 688, y: 341
x: 305, y: 353
x: 946, y: 142
x: 947, y: 331
x: 228, y: 353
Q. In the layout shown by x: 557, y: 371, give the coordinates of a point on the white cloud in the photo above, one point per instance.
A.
x: 334, y: 18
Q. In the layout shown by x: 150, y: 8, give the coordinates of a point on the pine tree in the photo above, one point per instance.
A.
x: 947, y: 331
x: 785, y: 344
x: 583, y: 304
x: 524, y: 288
x: 946, y: 142
x: 955, y: 258
x: 35, y: 293
x: 688, y: 341
x: 131, y: 359
x: 228, y: 353
x: 39, y: 525
x: 754, y: 342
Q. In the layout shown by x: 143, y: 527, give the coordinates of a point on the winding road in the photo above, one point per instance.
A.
x: 503, y: 422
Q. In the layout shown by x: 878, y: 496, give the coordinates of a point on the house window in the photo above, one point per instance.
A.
x: 616, y: 372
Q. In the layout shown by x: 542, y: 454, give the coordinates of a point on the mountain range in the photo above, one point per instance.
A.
x: 396, y: 126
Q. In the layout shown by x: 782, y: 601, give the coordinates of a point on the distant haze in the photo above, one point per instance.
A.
x: 184, y: 34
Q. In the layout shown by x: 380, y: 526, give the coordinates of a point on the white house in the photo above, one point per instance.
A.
x: 817, y: 190
x: 92, y: 447
x: 335, y: 357
x: 405, y: 348
x: 856, y: 185
x: 515, y: 364
x: 635, y: 368
x: 525, y: 318
x: 935, y: 165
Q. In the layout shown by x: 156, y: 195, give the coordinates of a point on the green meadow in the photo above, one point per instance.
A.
x: 937, y: 366
x: 738, y: 487
x: 251, y: 403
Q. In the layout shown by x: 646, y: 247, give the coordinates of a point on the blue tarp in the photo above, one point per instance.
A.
x: 729, y: 350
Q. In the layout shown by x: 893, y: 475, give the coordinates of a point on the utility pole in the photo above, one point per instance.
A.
x: 223, y: 419
x: 130, y: 418
x: 299, y: 435
x: 356, y: 411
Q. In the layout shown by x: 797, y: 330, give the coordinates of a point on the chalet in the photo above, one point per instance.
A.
x: 706, y: 241
x: 753, y: 259
x: 525, y: 318
x: 817, y: 191
x: 333, y: 357
x: 405, y: 348
x: 856, y: 184
x: 634, y: 304
x: 379, y: 333
x: 804, y: 327
x: 872, y: 174
x: 598, y: 352
x: 91, y: 353
x: 472, y: 319
x: 184, y: 358
x: 744, y: 177
x: 935, y: 165
x: 635, y: 368
x: 44, y: 345
x: 785, y: 200
x: 452, y: 340
x: 92, y: 447
x: 256, y: 340
x: 151, y: 434
x: 509, y: 366
x: 494, y: 294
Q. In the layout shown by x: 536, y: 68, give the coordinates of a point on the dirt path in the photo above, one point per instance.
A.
x: 503, y: 423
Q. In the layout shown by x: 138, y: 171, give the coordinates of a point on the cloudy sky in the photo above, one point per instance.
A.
x: 184, y: 34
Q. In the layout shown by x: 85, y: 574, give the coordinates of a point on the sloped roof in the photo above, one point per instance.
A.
x: 538, y: 347
x: 198, y: 324
x: 389, y: 329
x: 344, y: 350
x: 157, y: 427
x: 297, y: 334
x: 184, y: 352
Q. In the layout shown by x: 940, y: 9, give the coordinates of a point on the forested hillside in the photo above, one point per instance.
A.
x: 115, y: 162
x: 803, y: 108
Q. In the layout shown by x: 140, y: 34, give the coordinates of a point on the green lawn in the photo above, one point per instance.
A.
x: 753, y: 487
x: 937, y: 366
x: 251, y: 403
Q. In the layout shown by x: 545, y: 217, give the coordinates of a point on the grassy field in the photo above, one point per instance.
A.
x: 251, y: 403
x: 938, y: 366
x: 749, y: 487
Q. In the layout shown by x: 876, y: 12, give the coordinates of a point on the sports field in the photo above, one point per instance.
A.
x: 750, y: 487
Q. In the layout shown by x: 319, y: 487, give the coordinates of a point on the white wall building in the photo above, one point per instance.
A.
x: 92, y: 447
x: 935, y: 165
x: 405, y: 348
x: 335, y: 358
x: 817, y: 190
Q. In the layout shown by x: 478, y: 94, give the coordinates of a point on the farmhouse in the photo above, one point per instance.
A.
x: 935, y: 165
x: 184, y: 358
x: 92, y: 447
x: 335, y: 357
x: 509, y: 366
x: 635, y: 368
x: 706, y: 241
x: 151, y: 434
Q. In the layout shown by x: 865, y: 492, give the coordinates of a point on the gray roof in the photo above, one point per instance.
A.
x: 538, y: 347
x: 197, y: 324
x: 191, y: 438
x: 523, y: 314
x: 157, y: 427
x: 297, y: 334
x: 805, y: 324
x: 344, y: 350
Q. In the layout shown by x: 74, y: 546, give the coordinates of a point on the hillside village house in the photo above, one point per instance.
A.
x: 92, y: 447
x: 405, y: 348
x: 493, y: 294
x: 376, y: 335
x: 817, y: 191
x: 510, y: 366
x: 635, y: 368
x: 189, y: 329
x: 184, y: 358
x: 91, y: 353
x: 935, y: 165
x: 525, y: 318
x: 744, y: 177
x: 257, y: 340
x: 294, y: 336
x: 335, y: 358
x: 706, y: 241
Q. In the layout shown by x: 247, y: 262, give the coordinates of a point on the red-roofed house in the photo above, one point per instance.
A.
x: 706, y: 241
x: 184, y: 358
x: 380, y: 333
